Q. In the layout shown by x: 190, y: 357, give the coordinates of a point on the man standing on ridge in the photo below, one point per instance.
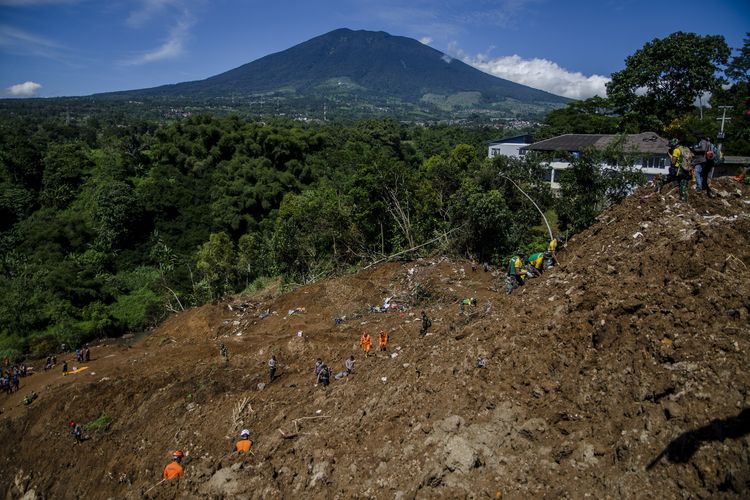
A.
x: 700, y: 151
x: 680, y: 157
x: 711, y: 158
x: 366, y: 342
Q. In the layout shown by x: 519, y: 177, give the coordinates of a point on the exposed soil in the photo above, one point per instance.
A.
x: 620, y: 373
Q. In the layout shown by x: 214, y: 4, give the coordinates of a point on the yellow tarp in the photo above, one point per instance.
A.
x: 77, y: 370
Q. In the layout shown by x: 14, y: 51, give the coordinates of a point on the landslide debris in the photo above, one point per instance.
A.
x: 620, y: 373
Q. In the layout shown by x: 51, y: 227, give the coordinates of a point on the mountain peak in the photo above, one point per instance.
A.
x: 374, y: 66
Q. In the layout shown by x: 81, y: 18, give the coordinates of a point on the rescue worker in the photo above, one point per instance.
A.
x: 348, y: 369
x: 366, y: 342
x: 174, y: 469
x: 382, y: 340
x: 535, y: 264
x: 681, y: 158
x: 244, y: 444
x: 466, y: 302
x: 324, y: 375
x: 65, y: 367
x: 318, y: 365
x: 224, y: 351
x: 426, y: 323
x: 516, y: 272
x: 271, y: 368
x: 76, y: 432
x: 550, y: 255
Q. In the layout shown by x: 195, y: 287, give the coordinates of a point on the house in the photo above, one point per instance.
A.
x: 650, y: 150
x: 510, y: 146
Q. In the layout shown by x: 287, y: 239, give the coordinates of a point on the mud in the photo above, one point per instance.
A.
x: 620, y: 373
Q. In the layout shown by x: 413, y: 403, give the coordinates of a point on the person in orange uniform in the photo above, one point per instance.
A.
x: 382, y: 340
x: 174, y: 469
x: 244, y: 444
x: 366, y: 342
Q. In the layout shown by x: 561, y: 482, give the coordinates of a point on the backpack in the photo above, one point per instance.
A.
x: 686, y: 158
x: 714, y: 154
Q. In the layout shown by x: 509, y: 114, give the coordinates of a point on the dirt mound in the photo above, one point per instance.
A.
x: 621, y: 372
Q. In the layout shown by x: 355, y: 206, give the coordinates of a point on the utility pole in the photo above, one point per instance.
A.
x: 723, y: 119
x: 720, y: 137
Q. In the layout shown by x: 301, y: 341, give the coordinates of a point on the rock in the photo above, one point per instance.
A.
x: 532, y: 428
x: 586, y: 454
x: 461, y: 456
x: 261, y: 386
x: 224, y: 482
x: 319, y: 474
x: 450, y: 424
x: 672, y: 410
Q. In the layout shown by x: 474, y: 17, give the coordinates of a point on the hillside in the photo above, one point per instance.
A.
x: 360, y: 69
x: 622, y: 372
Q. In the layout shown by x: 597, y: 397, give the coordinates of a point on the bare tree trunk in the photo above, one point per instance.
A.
x: 400, y: 212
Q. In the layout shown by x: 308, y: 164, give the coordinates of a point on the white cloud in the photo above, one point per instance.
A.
x: 148, y: 10
x: 25, y: 89
x: 17, y: 41
x: 172, y: 47
x: 426, y: 40
x: 540, y: 74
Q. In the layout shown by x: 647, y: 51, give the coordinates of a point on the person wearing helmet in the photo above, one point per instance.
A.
x: 516, y: 271
x: 76, y: 432
x: 366, y: 342
x: 174, y: 469
x: 673, y: 151
x: 681, y: 169
x: 244, y: 444
x: 383, y: 340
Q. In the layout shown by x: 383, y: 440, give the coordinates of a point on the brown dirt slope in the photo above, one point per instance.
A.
x: 620, y: 373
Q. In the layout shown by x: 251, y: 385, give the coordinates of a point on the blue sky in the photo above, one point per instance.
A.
x: 79, y: 47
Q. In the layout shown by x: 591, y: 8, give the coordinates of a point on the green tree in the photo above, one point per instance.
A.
x: 65, y: 168
x: 739, y: 68
x: 665, y: 77
x: 588, y: 116
x: 216, y: 261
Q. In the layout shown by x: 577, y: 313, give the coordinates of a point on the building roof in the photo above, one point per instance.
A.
x: 645, y: 143
x: 516, y: 139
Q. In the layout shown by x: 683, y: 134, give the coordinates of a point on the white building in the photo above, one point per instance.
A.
x: 510, y: 146
x: 651, y: 151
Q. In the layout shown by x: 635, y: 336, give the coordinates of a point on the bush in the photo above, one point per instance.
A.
x: 136, y: 310
x: 100, y: 423
x: 42, y: 345
x: 12, y: 347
